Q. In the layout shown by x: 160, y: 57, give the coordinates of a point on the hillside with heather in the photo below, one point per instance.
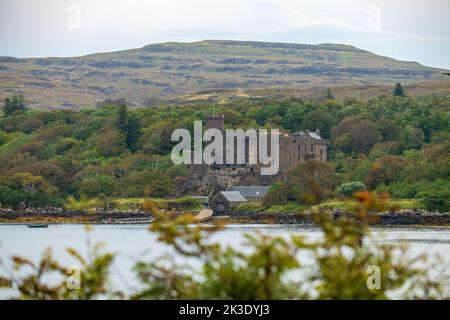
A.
x: 190, y: 70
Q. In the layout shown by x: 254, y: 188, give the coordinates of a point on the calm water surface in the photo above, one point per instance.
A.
x: 135, y: 242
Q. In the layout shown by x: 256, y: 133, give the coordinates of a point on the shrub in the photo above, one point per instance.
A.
x: 348, y: 189
x: 184, y: 203
x: 437, y: 200
x: 248, y: 207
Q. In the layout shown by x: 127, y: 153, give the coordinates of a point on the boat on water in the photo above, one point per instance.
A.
x: 38, y: 225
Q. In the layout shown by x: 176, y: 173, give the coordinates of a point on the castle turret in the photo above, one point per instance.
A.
x: 216, y: 122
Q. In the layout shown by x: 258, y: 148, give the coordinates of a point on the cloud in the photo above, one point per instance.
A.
x: 415, y: 31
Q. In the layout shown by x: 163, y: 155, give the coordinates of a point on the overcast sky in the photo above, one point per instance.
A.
x: 413, y: 30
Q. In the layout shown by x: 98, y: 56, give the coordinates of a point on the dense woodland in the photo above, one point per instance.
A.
x: 395, y: 144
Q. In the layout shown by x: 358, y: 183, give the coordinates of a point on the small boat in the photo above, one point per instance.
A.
x: 38, y: 225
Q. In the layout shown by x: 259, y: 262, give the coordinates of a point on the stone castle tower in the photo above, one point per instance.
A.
x: 294, y: 149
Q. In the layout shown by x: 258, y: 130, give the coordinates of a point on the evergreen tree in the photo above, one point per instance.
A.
x: 329, y: 94
x: 122, y: 119
x: 13, y: 104
x: 133, y: 133
x: 399, y: 91
x: 128, y: 125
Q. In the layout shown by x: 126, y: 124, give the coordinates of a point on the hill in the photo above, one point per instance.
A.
x: 174, y: 70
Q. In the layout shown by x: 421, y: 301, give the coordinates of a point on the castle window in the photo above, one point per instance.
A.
x: 312, y: 147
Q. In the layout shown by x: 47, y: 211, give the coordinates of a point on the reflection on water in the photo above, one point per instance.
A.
x: 132, y: 242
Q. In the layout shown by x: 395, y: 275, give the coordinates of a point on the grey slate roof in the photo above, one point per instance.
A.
x: 310, y: 134
x: 233, y: 196
x: 314, y: 136
x: 251, y: 191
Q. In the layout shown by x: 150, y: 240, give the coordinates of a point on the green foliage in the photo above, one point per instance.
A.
x: 14, y: 104
x: 278, y: 193
x: 355, y: 135
x: 110, y: 142
x: 149, y: 183
x: 329, y: 94
x: 67, y: 147
x: 24, y: 190
x: 133, y: 133
x: 183, y: 204
x: 437, y: 200
x: 129, y: 126
x: 384, y: 170
x: 412, y: 190
x: 399, y: 91
x: 350, y: 188
x: 311, y: 181
x: 248, y: 207
x: 321, y: 120
x: 98, y: 184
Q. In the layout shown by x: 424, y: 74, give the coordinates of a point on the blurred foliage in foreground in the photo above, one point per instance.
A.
x: 340, y: 266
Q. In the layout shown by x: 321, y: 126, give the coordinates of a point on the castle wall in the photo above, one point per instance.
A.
x: 294, y: 149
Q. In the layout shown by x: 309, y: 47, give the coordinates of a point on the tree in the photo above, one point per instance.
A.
x: 278, y: 193
x: 311, y: 181
x: 149, y: 183
x: 385, y: 170
x: 436, y: 200
x: 10, y: 198
x: 319, y: 119
x: 129, y: 126
x: 99, y: 184
x: 26, y: 190
x: 110, y: 142
x: 329, y: 94
x: 28, y: 183
x: 355, y: 135
x: 133, y: 133
x: 122, y: 119
x: 388, y: 129
x: 13, y: 104
x: 412, y: 137
x: 292, y: 120
x: 399, y: 91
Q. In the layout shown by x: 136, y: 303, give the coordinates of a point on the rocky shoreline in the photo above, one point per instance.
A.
x: 402, y: 217
x: 67, y: 216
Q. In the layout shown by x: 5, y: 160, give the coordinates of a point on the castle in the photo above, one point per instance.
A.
x: 294, y: 148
